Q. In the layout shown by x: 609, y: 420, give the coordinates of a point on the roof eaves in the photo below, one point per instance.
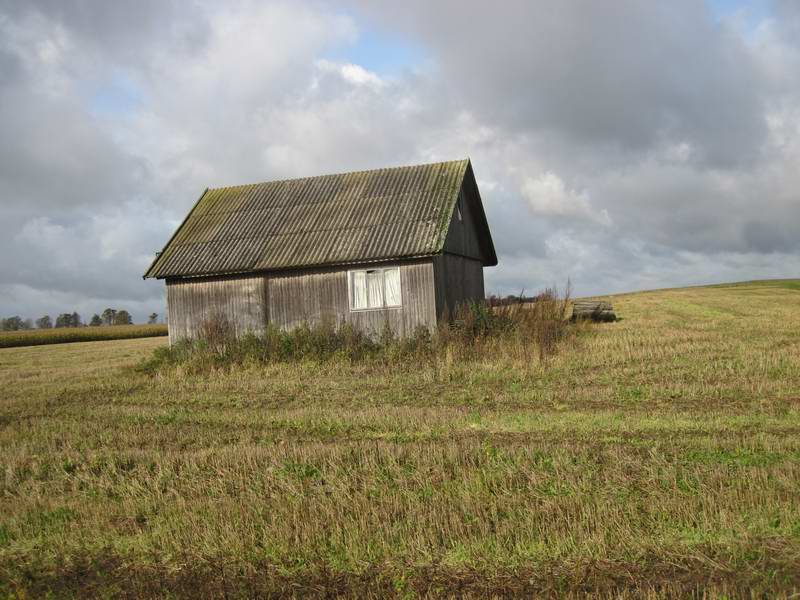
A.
x: 151, y: 268
x: 492, y: 262
x: 346, y: 263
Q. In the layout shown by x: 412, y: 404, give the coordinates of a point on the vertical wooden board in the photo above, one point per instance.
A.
x: 458, y: 280
x: 240, y: 300
x: 309, y: 296
x: 439, y: 286
x: 303, y: 297
x: 172, y: 317
x: 420, y: 307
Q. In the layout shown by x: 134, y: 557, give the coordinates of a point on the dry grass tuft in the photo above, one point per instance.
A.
x: 516, y: 332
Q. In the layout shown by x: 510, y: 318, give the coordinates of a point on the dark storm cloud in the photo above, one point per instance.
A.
x: 57, y: 157
x: 10, y: 68
x: 120, y: 30
x: 627, y: 73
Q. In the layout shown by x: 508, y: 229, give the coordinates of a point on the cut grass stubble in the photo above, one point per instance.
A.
x: 655, y: 456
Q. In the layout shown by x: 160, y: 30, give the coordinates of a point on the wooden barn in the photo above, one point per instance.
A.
x: 401, y: 245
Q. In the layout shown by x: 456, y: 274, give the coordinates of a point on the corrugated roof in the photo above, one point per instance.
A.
x: 326, y: 220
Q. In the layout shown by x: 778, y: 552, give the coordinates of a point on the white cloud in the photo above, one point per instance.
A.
x: 351, y: 73
x: 547, y: 195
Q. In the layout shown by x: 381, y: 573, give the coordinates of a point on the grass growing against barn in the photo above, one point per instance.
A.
x: 511, y: 332
x: 659, y: 454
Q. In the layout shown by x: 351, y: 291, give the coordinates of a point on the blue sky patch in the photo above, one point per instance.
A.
x: 116, y: 96
x: 753, y: 11
x: 382, y: 52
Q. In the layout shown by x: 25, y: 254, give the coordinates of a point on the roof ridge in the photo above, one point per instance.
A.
x: 247, y: 209
x: 339, y: 174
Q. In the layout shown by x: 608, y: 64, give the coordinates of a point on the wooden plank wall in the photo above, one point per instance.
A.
x: 308, y: 296
x: 458, y: 280
x: 242, y: 300
x: 462, y: 236
x: 295, y: 297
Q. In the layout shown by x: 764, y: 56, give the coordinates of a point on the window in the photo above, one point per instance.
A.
x: 458, y: 209
x: 375, y: 288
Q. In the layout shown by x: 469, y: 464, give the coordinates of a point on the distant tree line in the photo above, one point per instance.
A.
x: 495, y: 300
x: 15, y: 324
x: 109, y: 316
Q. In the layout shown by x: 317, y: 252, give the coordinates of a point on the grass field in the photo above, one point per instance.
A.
x: 65, y: 335
x: 656, y: 456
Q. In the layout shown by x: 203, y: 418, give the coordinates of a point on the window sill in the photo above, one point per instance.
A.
x: 360, y: 310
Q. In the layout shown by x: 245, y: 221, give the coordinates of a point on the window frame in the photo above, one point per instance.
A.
x: 350, y: 291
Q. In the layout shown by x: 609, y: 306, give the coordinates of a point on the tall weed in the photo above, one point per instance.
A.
x: 526, y: 330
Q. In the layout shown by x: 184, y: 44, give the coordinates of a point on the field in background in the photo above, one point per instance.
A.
x: 658, y: 455
x: 63, y: 335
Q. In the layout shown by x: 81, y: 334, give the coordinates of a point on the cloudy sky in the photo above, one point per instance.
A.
x: 625, y: 145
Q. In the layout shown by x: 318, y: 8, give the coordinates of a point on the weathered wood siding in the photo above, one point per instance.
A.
x: 288, y: 299
x: 458, y: 280
x: 309, y: 296
x: 190, y: 302
x: 459, y: 270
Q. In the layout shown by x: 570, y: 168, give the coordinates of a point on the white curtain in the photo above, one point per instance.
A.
x: 375, y: 288
x: 359, y: 290
x: 392, y: 279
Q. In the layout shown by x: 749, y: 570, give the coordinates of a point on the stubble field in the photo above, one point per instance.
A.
x: 659, y: 455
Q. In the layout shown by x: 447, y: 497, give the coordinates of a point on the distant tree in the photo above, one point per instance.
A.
x: 44, y: 323
x: 64, y: 320
x: 108, y: 316
x: 27, y: 324
x: 123, y: 317
x: 14, y: 323
x: 68, y: 320
x: 152, y: 319
x: 96, y: 321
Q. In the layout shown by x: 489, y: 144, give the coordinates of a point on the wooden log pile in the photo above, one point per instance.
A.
x: 594, y: 310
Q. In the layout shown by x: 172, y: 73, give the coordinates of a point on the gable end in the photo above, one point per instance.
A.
x: 468, y: 233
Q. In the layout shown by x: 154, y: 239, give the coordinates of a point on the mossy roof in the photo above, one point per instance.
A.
x: 347, y: 218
